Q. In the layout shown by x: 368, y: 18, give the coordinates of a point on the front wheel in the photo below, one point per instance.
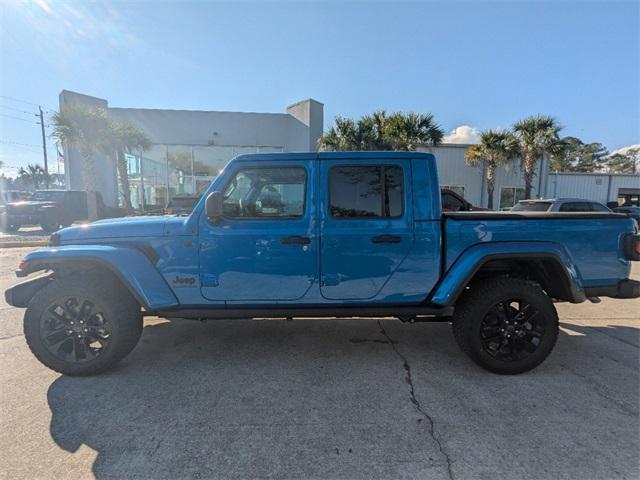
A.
x: 506, y: 325
x: 80, y: 327
x: 50, y: 222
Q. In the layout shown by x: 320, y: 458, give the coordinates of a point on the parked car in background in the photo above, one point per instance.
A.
x: 9, y: 196
x: 559, y: 205
x: 52, y: 209
x: 633, y: 212
x: 181, y: 205
x: 452, y: 202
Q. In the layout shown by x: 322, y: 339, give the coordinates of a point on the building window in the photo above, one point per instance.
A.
x: 263, y: 193
x: 459, y: 189
x: 164, y: 171
x: 509, y: 196
x: 368, y: 191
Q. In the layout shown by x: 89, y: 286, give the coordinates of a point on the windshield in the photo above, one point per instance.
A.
x: 183, y: 202
x: 48, y: 196
x: 531, y: 207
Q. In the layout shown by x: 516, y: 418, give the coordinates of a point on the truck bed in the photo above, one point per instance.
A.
x: 593, y: 240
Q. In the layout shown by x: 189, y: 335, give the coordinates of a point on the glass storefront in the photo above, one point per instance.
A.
x: 165, y: 171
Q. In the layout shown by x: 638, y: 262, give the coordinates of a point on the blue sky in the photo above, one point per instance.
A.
x: 469, y: 63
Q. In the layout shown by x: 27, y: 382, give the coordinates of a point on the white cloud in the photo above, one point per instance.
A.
x: 463, y: 134
x: 624, y: 150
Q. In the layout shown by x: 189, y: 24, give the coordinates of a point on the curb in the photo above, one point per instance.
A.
x: 24, y: 243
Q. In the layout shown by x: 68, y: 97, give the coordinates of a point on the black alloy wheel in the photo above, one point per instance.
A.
x: 74, y: 330
x: 511, y: 330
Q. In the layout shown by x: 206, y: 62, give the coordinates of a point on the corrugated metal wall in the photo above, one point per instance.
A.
x: 598, y: 187
x: 454, y: 171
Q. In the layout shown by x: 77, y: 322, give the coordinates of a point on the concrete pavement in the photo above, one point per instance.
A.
x: 326, y: 399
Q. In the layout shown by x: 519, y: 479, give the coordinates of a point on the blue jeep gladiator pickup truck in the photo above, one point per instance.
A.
x: 336, y: 234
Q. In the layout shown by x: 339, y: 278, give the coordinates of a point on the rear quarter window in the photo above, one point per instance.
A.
x: 575, y: 207
x: 531, y: 207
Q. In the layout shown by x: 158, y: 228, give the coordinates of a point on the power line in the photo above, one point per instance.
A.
x: 17, y: 109
x: 18, y: 143
x: 18, y: 118
x: 9, y: 142
x: 28, y: 149
x: 24, y: 101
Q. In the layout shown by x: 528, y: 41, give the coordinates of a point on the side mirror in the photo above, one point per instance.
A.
x: 213, y: 206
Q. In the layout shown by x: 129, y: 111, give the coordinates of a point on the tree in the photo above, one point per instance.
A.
x: 92, y: 131
x: 496, y: 147
x: 380, y: 131
x: 32, y: 175
x: 127, y: 138
x: 573, y: 155
x: 626, y: 162
x: 89, y: 130
x: 537, y: 136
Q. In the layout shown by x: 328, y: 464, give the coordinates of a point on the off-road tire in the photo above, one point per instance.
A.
x: 50, y: 222
x: 120, y: 308
x: 475, y: 303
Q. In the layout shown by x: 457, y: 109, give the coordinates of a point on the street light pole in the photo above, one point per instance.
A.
x: 44, y: 149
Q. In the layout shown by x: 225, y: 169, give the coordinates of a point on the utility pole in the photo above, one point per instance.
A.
x: 44, y: 150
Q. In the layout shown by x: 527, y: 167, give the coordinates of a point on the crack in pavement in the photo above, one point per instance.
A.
x: 416, y: 403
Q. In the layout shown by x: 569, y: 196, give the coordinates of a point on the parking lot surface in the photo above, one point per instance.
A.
x: 345, y: 399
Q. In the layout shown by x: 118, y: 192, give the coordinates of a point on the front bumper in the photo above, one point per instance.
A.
x: 20, y: 294
x: 626, y: 288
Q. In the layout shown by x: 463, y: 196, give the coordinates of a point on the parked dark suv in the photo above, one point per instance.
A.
x: 52, y: 209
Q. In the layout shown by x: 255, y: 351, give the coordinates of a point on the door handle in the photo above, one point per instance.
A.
x: 386, y: 239
x: 295, y: 240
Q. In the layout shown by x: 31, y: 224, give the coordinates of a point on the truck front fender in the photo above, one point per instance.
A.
x: 474, y: 258
x: 134, y: 269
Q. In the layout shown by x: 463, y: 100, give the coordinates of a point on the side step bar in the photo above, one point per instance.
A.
x: 306, y: 312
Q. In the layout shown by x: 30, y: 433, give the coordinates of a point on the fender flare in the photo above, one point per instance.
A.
x: 472, y: 259
x: 134, y: 269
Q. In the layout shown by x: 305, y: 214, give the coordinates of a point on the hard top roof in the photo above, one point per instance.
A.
x: 368, y: 155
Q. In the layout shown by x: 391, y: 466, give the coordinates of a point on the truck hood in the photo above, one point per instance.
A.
x: 130, y: 227
x: 28, y: 204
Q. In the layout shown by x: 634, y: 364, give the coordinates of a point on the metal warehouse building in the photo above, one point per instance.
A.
x: 191, y: 147
x: 601, y: 187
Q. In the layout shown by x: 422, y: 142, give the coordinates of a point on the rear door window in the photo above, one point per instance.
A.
x: 575, y: 207
x: 366, y: 191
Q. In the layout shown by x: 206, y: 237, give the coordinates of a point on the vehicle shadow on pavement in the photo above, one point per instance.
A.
x: 333, y: 399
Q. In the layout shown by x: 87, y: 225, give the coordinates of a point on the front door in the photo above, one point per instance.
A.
x: 366, y: 226
x: 264, y: 249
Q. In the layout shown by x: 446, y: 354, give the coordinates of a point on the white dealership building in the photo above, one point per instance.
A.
x: 191, y: 147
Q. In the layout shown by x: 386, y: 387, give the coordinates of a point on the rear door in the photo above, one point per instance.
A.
x: 367, y: 227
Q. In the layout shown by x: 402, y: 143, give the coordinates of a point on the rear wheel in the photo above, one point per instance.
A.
x: 82, y: 327
x: 506, y: 325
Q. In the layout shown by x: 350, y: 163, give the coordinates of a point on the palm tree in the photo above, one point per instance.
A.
x: 127, y: 138
x: 380, y: 131
x: 33, y: 174
x: 89, y: 130
x: 412, y: 130
x: 537, y: 136
x: 496, y: 147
